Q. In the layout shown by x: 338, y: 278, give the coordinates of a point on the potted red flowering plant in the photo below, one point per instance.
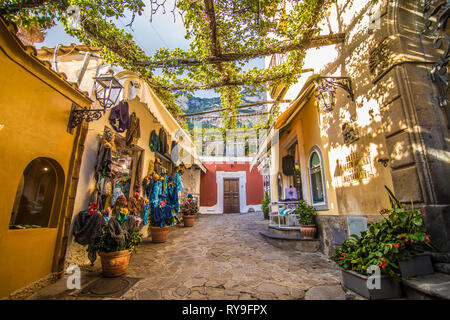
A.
x: 386, y: 244
x: 189, y: 210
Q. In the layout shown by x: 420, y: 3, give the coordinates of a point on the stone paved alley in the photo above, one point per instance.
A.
x: 222, y: 257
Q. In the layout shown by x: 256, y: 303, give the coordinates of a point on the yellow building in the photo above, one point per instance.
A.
x: 393, y: 130
x: 40, y: 162
x: 339, y: 176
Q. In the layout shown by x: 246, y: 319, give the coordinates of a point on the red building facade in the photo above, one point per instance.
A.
x: 230, y: 188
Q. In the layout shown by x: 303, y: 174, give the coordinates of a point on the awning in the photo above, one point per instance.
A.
x: 286, y: 117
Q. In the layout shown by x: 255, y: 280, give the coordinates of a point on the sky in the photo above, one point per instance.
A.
x: 162, y: 31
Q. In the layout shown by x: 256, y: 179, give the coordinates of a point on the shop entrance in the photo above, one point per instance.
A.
x: 231, y: 195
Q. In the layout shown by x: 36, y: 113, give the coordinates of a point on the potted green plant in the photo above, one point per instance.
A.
x: 265, y: 205
x: 306, y: 214
x: 382, y: 246
x: 120, y: 237
x: 189, y: 210
x: 161, y: 218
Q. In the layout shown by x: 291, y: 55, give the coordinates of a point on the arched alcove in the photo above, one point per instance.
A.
x: 38, y: 197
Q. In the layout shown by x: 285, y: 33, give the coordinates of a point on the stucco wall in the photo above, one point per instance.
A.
x: 388, y: 59
x: 191, y: 180
x: 33, y: 124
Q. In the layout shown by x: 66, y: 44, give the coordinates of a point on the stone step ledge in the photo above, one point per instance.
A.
x: 432, y: 286
x: 291, y: 243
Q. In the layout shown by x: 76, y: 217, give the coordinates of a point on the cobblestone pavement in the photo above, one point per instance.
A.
x: 223, y: 257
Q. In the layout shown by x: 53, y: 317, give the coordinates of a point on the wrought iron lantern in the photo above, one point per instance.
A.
x: 326, y: 91
x: 107, y: 91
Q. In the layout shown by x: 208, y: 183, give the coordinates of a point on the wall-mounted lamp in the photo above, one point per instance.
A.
x: 326, y: 90
x: 107, y: 91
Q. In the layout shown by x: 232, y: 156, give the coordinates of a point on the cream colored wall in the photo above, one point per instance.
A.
x: 86, y: 183
x: 191, y: 181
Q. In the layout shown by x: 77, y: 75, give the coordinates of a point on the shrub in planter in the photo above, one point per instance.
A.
x: 120, y: 237
x: 399, y: 236
x: 189, y: 209
x: 161, y: 218
x: 265, y: 205
x: 306, y: 216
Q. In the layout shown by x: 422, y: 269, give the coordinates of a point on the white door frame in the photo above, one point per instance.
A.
x: 242, y: 175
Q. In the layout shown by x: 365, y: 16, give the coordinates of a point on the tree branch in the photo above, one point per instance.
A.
x: 319, y: 41
x: 226, y: 82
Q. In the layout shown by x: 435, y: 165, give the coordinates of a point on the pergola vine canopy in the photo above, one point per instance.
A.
x: 224, y: 35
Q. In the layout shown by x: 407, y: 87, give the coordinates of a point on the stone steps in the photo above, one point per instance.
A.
x: 434, y: 286
x: 442, y: 267
x: 291, y: 242
x: 289, y: 233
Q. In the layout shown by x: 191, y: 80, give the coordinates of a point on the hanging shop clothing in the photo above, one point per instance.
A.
x: 157, y: 166
x: 146, y: 213
x: 163, y: 141
x: 87, y: 230
x: 133, y: 132
x: 179, y: 179
x: 103, y: 164
x: 148, y: 187
x: 164, y: 184
x: 288, y: 165
x: 137, y: 179
x: 172, y: 194
x: 163, y: 215
x: 154, y: 142
x: 116, y: 193
x: 157, y: 188
x: 119, y: 117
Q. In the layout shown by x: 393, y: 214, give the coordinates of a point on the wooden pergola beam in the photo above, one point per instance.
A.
x: 239, y: 107
x: 315, y: 42
x: 224, y: 83
x: 215, y: 44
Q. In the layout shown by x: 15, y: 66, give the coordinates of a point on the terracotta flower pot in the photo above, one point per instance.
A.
x: 308, y: 231
x: 114, y: 264
x: 188, y: 220
x: 159, y: 235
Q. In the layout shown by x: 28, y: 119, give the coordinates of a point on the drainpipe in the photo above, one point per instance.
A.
x: 55, y: 56
x: 87, y: 56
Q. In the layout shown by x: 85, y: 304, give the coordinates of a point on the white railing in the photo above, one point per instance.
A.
x: 286, y: 217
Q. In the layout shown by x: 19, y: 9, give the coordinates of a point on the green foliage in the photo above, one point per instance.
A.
x: 399, y: 236
x: 245, y: 29
x: 107, y: 243
x: 189, y: 208
x: 305, y: 213
x: 265, y: 203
